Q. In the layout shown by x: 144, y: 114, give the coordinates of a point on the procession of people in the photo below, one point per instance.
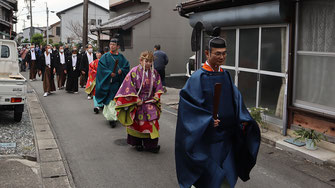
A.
x: 131, y: 96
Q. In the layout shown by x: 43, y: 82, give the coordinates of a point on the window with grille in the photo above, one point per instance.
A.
x: 93, y: 22
x: 314, y: 87
x: 58, y: 31
x: 4, y: 51
x: 128, y: 38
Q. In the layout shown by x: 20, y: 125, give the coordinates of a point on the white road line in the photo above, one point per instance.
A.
x: 169, y: 112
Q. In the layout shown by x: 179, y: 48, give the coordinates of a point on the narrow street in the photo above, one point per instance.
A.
x: 98, y: 155
x: 278, y: 54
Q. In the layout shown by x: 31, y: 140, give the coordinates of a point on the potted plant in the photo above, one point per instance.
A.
x: 310, y: 137
x: 257, y: 113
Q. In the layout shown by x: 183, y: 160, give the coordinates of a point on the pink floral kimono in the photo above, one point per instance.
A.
x: 141, y: 121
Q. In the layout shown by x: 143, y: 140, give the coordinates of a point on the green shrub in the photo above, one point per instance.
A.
x: 303, y: 134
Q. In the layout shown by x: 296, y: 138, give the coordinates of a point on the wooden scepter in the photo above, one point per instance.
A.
x: 216, y: 102
x: 115, y: 66
x: 114, y: 69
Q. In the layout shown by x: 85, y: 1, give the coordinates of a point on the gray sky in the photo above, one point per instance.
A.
x: 39, y: 11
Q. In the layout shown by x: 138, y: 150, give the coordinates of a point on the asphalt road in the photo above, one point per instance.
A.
x: 99, y: 157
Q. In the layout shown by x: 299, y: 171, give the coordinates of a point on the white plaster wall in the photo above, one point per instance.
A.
x: 26, y: 32
x: 76, y: 15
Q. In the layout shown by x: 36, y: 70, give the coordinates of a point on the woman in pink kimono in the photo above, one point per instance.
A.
x: 138, y: 104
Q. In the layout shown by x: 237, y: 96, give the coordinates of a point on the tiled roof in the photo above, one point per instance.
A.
x: 124, y: 21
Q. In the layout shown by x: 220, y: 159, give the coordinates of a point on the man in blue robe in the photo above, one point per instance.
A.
x: 214, y: 153
x: 109, y: 82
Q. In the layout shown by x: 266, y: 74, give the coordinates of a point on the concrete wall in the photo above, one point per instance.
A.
x: 52, y: 31
x: 26, y: 33
x: 76, y: 16
x: 167, y: 28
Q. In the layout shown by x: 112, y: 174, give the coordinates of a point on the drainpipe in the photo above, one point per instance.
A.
x: 295, y: 52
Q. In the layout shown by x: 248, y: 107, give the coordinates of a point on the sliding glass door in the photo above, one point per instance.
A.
x: 257, y: 61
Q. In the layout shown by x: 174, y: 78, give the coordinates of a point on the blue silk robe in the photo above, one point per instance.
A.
x: 206, y: 156
x: 105, y: 89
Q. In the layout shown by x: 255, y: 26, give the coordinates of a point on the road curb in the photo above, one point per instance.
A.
x: 330, y: 163
x: 54, y: 170
x: 320, y: 156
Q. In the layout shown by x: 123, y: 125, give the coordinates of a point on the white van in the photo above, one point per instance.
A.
x: 13, y: 86
x: 190, y: 66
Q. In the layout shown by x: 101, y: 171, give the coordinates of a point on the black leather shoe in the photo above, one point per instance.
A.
x: 154, y: 150
x: 139, y: 148
x: 112, y: 124
x: 96, y: 110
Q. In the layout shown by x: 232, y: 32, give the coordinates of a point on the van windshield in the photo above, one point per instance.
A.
x: 4, y: 51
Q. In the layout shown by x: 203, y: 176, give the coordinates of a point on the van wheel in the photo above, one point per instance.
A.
x: 17, y: 116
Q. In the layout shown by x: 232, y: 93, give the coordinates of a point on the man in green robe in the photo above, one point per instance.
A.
x: 109, y: 82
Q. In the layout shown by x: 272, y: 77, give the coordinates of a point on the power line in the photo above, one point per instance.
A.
x: 34, y: 12
x: 21, y: 11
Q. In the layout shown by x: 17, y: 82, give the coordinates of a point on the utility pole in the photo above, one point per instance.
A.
x: 85, y: 20
x: 46, y: 4
x: 24, y: 23
x: 31, y: 22
x: 17, y: 20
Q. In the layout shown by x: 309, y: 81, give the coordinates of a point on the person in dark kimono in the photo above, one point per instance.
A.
x: 214, y: 152
x: 72, y: 71
x: 42, y: 49
x: 138, y: 104
x: 32, y: 59
x: 60, y: 59
x: 106, y: 49
x: 38, y: 50
x: 48, y: 68
x: 67, y: 50
x: 161, y: 60
x: 54, y: 50
x: 108, y: 82
x: 87, y: 57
